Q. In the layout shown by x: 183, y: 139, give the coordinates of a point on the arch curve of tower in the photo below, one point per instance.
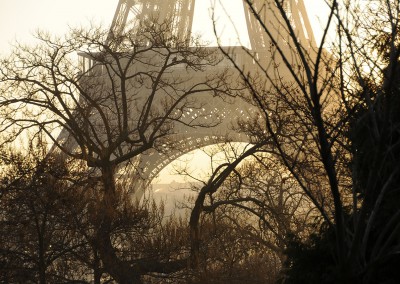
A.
x: 180, y: 13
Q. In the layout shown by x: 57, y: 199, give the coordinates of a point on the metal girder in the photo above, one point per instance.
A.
x: 178, y: 12
x: 270, y: 16
x: 120, y: 17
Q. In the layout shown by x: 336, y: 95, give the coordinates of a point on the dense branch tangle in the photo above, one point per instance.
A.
x: 139, y: 92
x: 128, y: 100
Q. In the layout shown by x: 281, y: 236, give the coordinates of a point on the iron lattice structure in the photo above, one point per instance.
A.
x: 131, y: 14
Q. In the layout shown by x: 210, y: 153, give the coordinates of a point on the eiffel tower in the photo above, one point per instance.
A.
x: 130, y: 14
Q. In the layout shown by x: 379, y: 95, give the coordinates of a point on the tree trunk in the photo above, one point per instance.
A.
x: 42, y: 264
x: 96, y: 269
x: 119, y: 270
x: 194, y: 229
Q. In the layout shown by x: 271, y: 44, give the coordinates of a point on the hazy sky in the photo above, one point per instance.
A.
x: 20, y: 18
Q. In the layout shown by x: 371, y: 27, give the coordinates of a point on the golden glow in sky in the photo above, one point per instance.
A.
x: 20, y: 18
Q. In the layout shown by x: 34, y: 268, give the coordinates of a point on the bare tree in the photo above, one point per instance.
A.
x: 248, y: 215
x: 39, y: 194
x: 49, y: 219
x: 130, y: 96
x: 309, y: 100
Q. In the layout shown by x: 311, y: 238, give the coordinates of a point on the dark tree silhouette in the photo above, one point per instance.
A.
x: 329, y: 119
x: 124, y: 102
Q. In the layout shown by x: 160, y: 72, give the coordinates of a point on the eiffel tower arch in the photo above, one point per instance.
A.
x: 131, y: 14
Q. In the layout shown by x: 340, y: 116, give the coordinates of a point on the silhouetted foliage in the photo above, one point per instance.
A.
x: 40, y: 201
x: 49, y: 220
x: 331, y: 121
x: 311, y: 261
x: 373, y: 134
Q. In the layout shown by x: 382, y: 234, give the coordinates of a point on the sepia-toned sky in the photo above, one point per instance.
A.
x: 20, y: 18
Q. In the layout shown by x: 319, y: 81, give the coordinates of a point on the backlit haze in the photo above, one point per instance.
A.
x: 19, y: 19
